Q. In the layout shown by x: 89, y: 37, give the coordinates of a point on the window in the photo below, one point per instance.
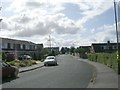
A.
x: 8, y: 46
x: 21, y: 46
x: 114, y: 47
x: 18, y: 46
x: 30, y: 47
x: 24, y: 46
x: 4, y: 45
x: 27, y: 47
x: 12, y: 46
x: 104, y: 47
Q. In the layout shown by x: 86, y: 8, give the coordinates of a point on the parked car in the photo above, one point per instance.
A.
x: 50, y: 60
x: 8, y: 70
x: 25, y: 57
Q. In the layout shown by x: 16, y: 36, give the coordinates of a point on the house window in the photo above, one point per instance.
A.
x: 12, y: 47
x: 24, y: 46
x: 21, y: 46
x: 27, y: 47
x: 114, y: 47
x: 35, y: 47
x: 18, y: 46
x: 8, y: 46
x: 104, y: 47
x: 30, y: 47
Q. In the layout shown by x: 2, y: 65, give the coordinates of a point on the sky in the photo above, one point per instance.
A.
x: 67, y: 22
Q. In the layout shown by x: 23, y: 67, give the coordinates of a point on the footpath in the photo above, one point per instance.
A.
x: 103, y: 77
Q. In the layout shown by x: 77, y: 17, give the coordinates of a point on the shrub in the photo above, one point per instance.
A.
x: 33, y: 62
x: 22, y: 63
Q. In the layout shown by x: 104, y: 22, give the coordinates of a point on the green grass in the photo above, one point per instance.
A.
x: 109, y: 59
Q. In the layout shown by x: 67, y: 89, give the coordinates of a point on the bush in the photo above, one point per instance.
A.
x: 33, y: 62
x: 22, y: 63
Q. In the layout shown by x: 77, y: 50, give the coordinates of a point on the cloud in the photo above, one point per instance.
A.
x: 39, y: 18
x: 107, y: 33
x: 34, y: 4
x: 26, y: 26
x: 92, y: 9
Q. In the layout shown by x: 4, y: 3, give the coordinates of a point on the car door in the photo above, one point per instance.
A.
x: 6, y: 69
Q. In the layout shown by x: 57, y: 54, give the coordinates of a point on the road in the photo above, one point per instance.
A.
x: 70, y: 73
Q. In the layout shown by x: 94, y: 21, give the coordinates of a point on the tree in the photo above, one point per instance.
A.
x: 72, y: 50
x: 63, y: 50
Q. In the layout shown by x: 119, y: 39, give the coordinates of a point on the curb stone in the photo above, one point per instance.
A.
x: 31, y: 68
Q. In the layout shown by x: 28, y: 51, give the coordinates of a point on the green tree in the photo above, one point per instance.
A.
x: 72, y: 50
x: 63, y: 50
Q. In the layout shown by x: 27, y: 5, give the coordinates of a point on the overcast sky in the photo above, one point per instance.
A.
x: 68, y: 22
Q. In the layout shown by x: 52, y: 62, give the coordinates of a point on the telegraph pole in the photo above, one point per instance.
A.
x: 118, y: 57
x: 116, y: 28
x: 50, y: 43
x: 0, y: 18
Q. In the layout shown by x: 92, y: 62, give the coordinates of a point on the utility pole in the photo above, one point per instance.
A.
x: 0, y: 39
x: 50, y: 43
x: 116, y: 26
x: 0, y: 18
x: 118, y: 57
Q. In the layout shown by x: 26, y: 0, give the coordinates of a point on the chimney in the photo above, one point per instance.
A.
x: 108, y: 42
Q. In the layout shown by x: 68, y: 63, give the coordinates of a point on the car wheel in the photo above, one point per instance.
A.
x: 55, y: 64
x: 15, y: 74
x: 44, y: 64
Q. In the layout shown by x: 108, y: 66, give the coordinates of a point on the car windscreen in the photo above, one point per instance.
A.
x: 50, y: 58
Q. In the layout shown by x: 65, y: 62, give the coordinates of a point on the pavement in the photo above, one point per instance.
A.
x: 103, y: 77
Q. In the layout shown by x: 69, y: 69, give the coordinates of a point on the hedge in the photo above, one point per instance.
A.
x: 109, y: 59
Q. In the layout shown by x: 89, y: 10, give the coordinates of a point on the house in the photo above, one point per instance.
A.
x: 104, y: 47
x: 19, y: 47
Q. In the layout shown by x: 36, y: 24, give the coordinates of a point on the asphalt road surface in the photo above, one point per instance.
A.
x: 70, y: 73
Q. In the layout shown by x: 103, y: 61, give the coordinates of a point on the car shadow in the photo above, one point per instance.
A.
x: 52, y: 65
x: 8, y: 79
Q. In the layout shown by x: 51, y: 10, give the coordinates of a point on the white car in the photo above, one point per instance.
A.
x: 50, y: 60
